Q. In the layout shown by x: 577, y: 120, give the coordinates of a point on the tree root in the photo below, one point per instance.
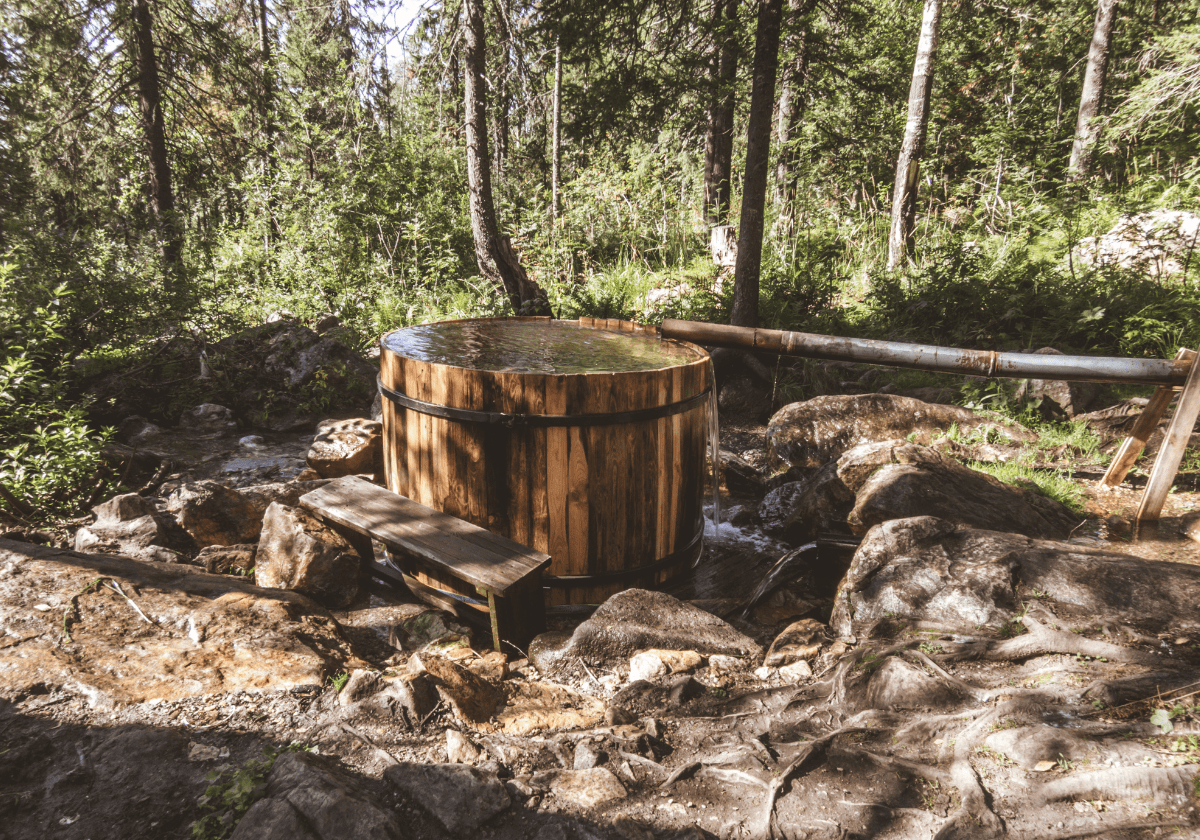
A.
x: 1042, y: 640
x: 900, y: 765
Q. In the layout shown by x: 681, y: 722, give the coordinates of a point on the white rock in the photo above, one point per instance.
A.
x: 459, y: 749
x: 646, y: 666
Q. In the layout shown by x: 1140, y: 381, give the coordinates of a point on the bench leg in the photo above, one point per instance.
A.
x: 519, y: 616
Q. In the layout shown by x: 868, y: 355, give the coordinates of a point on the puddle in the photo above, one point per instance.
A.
x: 287, y: 465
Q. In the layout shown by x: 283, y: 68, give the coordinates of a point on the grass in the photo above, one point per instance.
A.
x: 1053, y: 484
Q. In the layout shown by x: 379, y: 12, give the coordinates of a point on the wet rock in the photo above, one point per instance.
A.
x: 347, y: 447
x: 583, y: 788
x: 307, y: 799
x: 461, y: 798
x: 922, y: 482
x: 776, y: 507
x: 544, y: 705
x: 213, y: 514
x: 296, y: 551
x: 210, y: 634
x: 812, y: 433
x: 473, y: 700
x: 228, y: 559
x: 208, y: 418
x: 822, y: 505
x: 801, y: 640
x: 1069, y: 398
x: 637, y: 620
x: 926, y: 569
x: 459, y: 749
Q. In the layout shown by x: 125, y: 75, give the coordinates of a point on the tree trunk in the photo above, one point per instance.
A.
x: 758, y: 164
x: 904, y: 195
x: 791, y: 105
x: 718, y: 141
x: 1086, y: 132
x: 556, y: 134
x: 502, y: 108
x: 267, y: 118
x: 494, y: 254
x: 162, y: 197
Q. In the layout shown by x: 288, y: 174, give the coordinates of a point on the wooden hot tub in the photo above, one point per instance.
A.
x: 508, y: 424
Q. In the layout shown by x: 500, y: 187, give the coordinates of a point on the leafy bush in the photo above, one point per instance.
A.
x: 51, y: 464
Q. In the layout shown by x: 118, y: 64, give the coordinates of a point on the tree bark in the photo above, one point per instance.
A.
x: 494, y: 254
x: 267, y: 117
x: 718, y: 140
x: 556, y: 134
x: 1086, y: 132
x: 162, y: 196
x: 791, y: 105
x: 758, y: 164
x: 904, y: 195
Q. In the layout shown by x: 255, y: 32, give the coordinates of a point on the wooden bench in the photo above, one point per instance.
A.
x: 507, y: 574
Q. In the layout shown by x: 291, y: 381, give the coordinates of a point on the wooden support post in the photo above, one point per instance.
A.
x: 1146, y: 423
x: 1171, y: 453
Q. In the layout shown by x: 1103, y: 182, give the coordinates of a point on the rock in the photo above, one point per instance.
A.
x: 743, y: 382
x: 740, y: 476
x: 208, y: 418
x: 361, y: 684
x: 682, y: 689
x: 297, y: 551
x: 922, y: 482
x: 932, y: 394
x: 795, y: 672
x: 459, y: 749
x: 430, y: 631
x: 461, y: 798
x: 325, y: 321
x: 136, y: 430
x: 260, y: 496
x: 636, y: 620
x: 305, y: 798
x: 812, y: 433
x: 926, y: 569
x: 213, y: 633
x: 347, y: 447
x: 585, y: 788
x: 228, y: 559
x: 473, y: 700
x: 1069, y: 398
x: 543, y: 705
x: 1154, y: 244
x: 776, y: 507
x: 646, y: 666
x: 301, y: 370
x: 585, y: 757
x: 800, y: 641
x: 126, y: 524
x: 213, y: 514
x: 821, y: 505
x: 1189, y: 526
x: 492, y: 666
x: 252, y: 442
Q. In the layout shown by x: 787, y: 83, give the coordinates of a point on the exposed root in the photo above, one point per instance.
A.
x: 1161, y: 783
x: 1042, y: 640
x: 900, y: 765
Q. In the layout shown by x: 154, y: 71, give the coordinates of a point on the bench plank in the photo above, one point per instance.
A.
x: 477, y: 556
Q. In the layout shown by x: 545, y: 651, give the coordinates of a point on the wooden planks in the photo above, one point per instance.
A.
x: 1171, y: 453
x: 1146, y: 423
x: 481, y: 558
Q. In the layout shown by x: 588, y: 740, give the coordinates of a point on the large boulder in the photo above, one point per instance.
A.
x: 812, y: 433
x: 1059, y: 396
x: 182, y: 632
x: 1154, y: 244
x: 461, y: 798
x: 920, y: 481
x: 637, y: 620
x: 297, y: 551
x: 308, y: 800
x: 214, y: 514
x: 928, y: 569
x: 347, y: 447
x: 291, y: 376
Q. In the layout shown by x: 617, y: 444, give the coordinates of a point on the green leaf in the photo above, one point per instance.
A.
x: 1162, y: 719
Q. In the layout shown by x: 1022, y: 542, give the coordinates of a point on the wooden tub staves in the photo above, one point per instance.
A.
x: 603, y: 471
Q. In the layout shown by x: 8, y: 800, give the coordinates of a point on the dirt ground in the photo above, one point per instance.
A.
x: 847, y: 753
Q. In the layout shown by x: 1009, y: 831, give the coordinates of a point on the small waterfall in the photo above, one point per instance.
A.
x: 714, y: 443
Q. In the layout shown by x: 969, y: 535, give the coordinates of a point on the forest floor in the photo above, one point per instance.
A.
x: 747, y: 756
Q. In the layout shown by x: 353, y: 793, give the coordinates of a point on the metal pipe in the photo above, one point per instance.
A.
x: 988, y: 363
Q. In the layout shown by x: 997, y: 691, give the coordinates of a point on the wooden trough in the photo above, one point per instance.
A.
x: 604, y: 471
